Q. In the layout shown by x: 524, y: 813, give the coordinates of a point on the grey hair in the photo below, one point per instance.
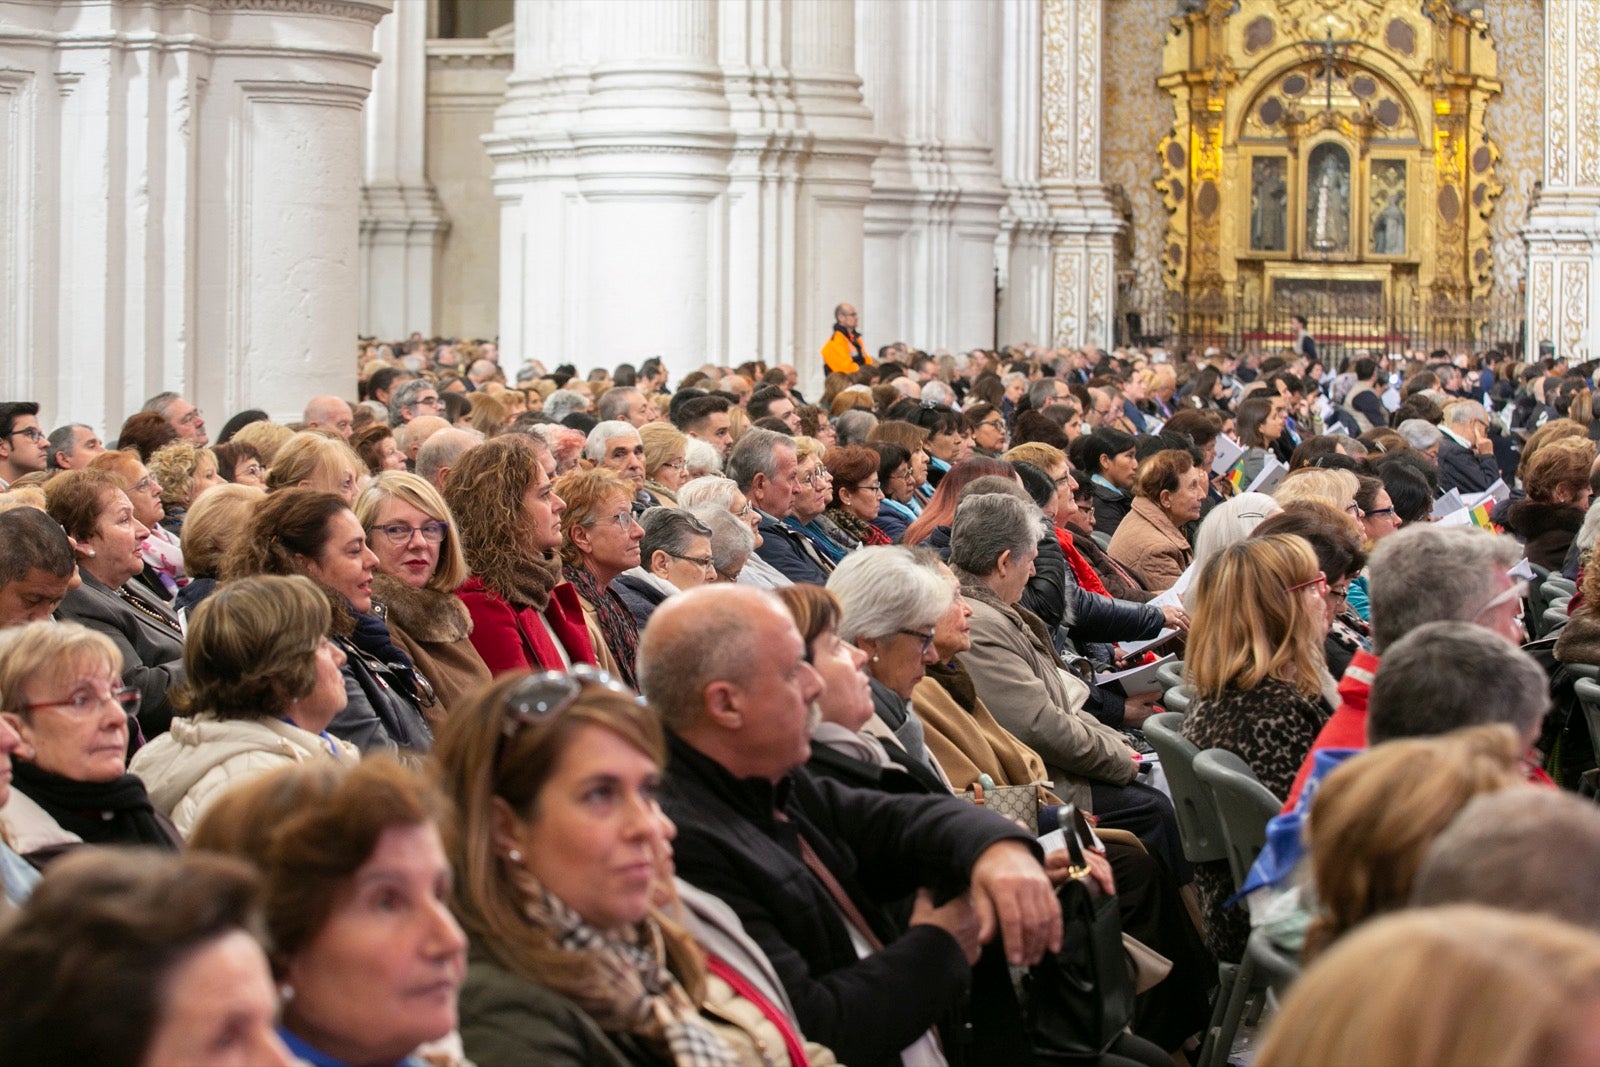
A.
x: 884, y: 588
x: 603, y: 434
x: 701, y: 458
x: 756, y: 453
x: 987, y: 525
x: 937, y: 392
x: 1588, y: 531
x: 1230, y: 522
x: 614, y: 402
x: 1523, y: 850
x: 1463, y: 412
x: 1013, y: 376
x: 1420, y: 434
x: 669, y: 530
x: 405, y: 396
x: 854, y: 425
x: 732, y: 540
x: 709, y: 491
x: 444, y: 449
x: 1041, y: 392
x: 563, y: 402
x: 1427, y: 573
x: 1443, y: 676
x: 63, y: 439
x: 161, y: 402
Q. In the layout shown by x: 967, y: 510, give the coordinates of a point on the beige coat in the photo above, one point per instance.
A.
x: 199, y: 759
x: 967, y: 744
x: 435, y: 630
x: 1148, y: 544
x: 1019, y: 678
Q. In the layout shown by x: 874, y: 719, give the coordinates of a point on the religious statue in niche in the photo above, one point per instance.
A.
x: 1269, y: 205
x: 1386, y: 207
x: 1328, y: 199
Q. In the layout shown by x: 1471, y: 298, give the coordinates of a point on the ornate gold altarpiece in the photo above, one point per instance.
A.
x: 1327, y: 153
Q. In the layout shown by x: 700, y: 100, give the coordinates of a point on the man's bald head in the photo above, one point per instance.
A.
x: 693, y: 639
x: 330, y: 413
x: 410, y: 437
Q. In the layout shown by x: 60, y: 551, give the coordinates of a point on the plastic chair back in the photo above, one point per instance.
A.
x: 1244, y: 806
x: 1170, y: 675
x: 1177, y: 699
x: 1559, y: 586
x: 1198, y: 826
x: 1587, y: 691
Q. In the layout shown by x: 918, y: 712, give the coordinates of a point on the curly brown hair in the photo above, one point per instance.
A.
x: 485, y: 494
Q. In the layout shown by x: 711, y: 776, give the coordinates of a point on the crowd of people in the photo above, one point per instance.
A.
x: 596, y: 719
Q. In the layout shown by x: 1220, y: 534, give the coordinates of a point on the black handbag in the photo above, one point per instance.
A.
x: 1077, y: 1001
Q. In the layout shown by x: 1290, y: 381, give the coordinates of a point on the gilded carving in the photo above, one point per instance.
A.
x: 1574, y: 309
x: 1586, y: 135
x: 1558, y: 97
x: 1088, y: 78
x: 1065, y: 313
x: 1056, y: 106
x: 1541, y: 298
x: 1514, y: 123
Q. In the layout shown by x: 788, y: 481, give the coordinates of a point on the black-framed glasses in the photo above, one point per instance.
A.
x: 401, y: 533
x: 83, y: 703
x: 703, y: 562
x: 925, y: 638
x: 540, y: 697
x: 1376, y: 512
x: 32, y: 433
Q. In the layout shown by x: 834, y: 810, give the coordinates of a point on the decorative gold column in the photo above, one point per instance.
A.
x: 1084, y: 221
x: 1563, y: 232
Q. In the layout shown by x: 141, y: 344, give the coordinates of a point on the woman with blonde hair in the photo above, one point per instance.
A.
x: 1438, y: 987
x: 262, y: 685
x: 185, y: 473
x: 1168, y: 491
x: 266, y: 438
x: 419, y: 569
x: 524, y: 613
x: 490, y: 414
x: 312, y: 460
x: 665, y: 468
x: 573, y: 957
x: 1327, y: 485
x: 1375, y: 815
x: 1254, y: 660
x: 599, y: 541
x: 210, y: 533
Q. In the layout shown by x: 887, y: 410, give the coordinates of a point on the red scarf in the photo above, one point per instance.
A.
x: 1080, y: 566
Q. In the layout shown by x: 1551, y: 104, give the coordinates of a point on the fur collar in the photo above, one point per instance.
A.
x: 427, y: 616
x: 1531, y: 519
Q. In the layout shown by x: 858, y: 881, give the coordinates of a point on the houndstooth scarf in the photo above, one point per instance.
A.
x: 644, y: 998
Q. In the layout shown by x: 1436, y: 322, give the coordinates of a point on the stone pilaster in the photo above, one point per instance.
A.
x: 1563, y: 231
x: 402, y: 220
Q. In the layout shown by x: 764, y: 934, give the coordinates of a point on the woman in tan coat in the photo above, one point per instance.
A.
x: 1168, y: 492
x: 420, y: 566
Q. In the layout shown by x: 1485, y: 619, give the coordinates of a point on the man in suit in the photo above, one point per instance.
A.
x: 1466, y: 451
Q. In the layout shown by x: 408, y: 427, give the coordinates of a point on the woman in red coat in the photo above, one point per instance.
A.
x: 524, y: 615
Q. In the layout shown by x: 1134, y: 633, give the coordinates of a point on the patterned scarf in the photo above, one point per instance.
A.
x: 857, y: 527
x: 641, y: 995
x: 617, y: 624
x: 1081, y: 569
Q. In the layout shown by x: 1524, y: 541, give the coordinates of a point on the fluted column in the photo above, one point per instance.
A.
x: 1084, y: 223
x: 1563, y: 231
x: 929, y: 72
x: 178, y: 201
x: 402, y: 221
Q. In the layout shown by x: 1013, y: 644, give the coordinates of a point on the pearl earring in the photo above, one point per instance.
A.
x: 286, y: 992
x: 514, y: 856
x: 89, y: 552
x: 874, y: 659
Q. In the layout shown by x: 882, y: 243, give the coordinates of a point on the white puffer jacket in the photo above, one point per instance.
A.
x: 198, y: 759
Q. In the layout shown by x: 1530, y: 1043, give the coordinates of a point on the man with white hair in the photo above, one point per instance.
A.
x: 329, y: 413
x: 181, y: 415
x: 563, y: 402
x: 1466, y: 454
x: 616, y: 445
x: 626, y: 404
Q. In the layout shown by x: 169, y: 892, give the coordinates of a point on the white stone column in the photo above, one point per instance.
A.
x: 1563, y: 231
x: 799, y: 178
x: 611, y: 164
x: 1023, y: 250
x: 402, y: 220
x: 1084, y: 222
x: 178, y: 202
x: 929, y: 72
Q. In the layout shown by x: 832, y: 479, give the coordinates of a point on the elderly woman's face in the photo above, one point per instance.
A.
x: 115, y: 544
x: 346, y: 563
x: 899, y: 486
x: 248, y: 471
x: 863, y: 499
x: 219, y: 1009
x: 919, y: 467
x: 899, y: 660
x: 381, y: 976
x: 846, y: 695
x: 953, y: 634
x: 610, y: 541
x: 741, y: 508
x: 146, y: 496
x: 75, y: 723
x: 407, y: 541
x: 392, y: 458
x: 595, y: 833
x: 815, y: 490
x: 1183, y: 504
x: 673, y: 473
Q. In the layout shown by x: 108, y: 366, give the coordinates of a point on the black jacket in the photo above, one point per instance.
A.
x: 1110, y: 508
x: 641, y: 597
x: 789, y: 553
x: 1463, y: 470
x: 880, y: 847
x: 379, y: 715
x: 1053, y: 594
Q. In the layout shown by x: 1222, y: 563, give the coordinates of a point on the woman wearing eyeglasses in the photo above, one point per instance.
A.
x: 600, y: 541
x: 858, y: 494
x: 665, y: 469
x: 263, y: 685
x: 419, y: 569
x: 1254, y: 658
x: 163, y: 572
x: 64, y: 696
x: 92, y: 507
x: 578, y: 953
